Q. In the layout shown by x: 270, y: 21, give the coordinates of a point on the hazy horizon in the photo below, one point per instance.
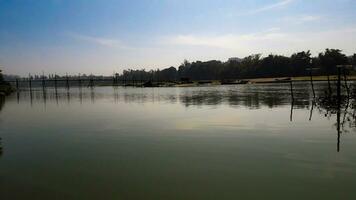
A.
x: 99, y: 37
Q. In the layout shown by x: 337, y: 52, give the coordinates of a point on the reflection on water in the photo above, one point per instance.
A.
x: 251, y: 96
x: 343, y: 106
x: 216, y: 142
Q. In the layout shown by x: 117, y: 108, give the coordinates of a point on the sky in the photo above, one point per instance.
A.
x: 107, y: 36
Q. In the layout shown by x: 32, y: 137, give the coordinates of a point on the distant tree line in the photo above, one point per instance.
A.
x: 253, y: 66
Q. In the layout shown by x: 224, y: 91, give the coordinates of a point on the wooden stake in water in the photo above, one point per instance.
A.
x: 345, y: 77
x: 43, y: 82
x: 67, y: 82
x: 292, y: 102
x: 346, y: 85
x: 79, y: 81
x: 291, y: 111
x: 114, y: 82
x: 291, y: 89
x: 338, y: 106
x: 91, y: 82
x: 311, y: 110
x: 311, y: 78
x: 55, y: 82
x: 329, y: 85
x: 17, y: 84
x: 312, y: 84
x: 30, y: 81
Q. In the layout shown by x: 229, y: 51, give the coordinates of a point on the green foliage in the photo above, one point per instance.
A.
x: 253, y: 66
x: 330, y: 58
x: 275, y: 66
x: 300, y: 62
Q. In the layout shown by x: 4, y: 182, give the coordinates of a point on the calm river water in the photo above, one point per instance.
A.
x: 213, y: 142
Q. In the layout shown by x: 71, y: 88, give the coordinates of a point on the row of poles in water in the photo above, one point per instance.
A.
x: 67, y: 80
x: 339, y: 67
x: 330, y: 98
x: 114, y: 81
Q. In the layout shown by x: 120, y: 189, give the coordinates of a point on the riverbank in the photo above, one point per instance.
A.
x: 6, y: 88
x: 265, y: 80
x: 194, y: 83
x: 299, y: 78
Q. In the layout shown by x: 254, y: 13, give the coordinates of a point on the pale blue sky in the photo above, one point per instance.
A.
x: 103, y: 36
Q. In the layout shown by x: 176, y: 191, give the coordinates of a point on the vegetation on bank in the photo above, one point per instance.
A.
x: 254, y: 66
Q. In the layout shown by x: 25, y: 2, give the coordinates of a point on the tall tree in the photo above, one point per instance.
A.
x: 249, y: 66
x: 274, y: 66
x: 253, y: 66
x: 299, y: 62
x: 329, y: 59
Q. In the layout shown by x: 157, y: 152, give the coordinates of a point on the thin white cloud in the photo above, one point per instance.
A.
x: 273, y: 29
x: 272, y: 40
x: 307, y: 18
x: 279, y: 4
x: 302, y: 19
x: 95, y: 40
x: 228, y: 41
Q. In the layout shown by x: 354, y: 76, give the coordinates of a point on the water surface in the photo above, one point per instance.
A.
x: 212, y: 142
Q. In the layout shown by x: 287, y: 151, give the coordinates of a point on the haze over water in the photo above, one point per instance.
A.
x: 212, y: 142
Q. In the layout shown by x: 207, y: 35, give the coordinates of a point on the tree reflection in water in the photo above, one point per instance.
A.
x: 343, y: 106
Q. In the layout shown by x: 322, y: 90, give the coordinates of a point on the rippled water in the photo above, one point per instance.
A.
x: 214, y: 142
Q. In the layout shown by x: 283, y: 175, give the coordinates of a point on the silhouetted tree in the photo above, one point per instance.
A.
x: 299, y: 62
x: 253, y: 66
x: 250, y: 65
x: 330, y: 58
x: 169, y: 74
x: 275, y: 66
